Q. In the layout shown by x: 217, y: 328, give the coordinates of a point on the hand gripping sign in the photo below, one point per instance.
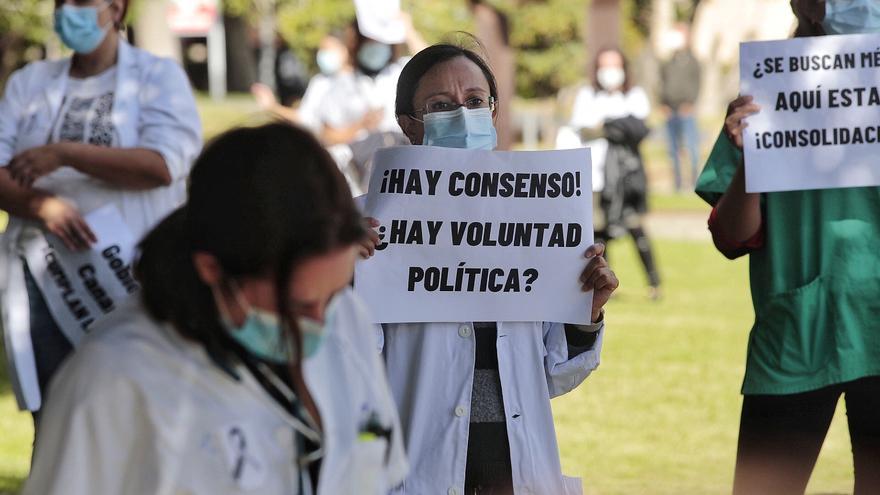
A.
x: 819, y: 124
x: 81, y: 287
x: 472, y: 235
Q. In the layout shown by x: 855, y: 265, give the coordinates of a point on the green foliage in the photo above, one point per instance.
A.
x: 25, y: 19
x: 548, y: 38
x: 547, y: 35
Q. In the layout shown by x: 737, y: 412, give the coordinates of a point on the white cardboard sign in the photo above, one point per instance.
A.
x: 472, y: 235
x: 82, y: 287
x: 819, y: 124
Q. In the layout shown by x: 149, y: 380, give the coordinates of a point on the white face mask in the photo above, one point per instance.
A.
x: 329, y: 62
x: 610, y: 78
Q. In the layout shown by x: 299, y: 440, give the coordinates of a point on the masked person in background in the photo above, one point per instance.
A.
x: 333, y: 62
x: 815, y: 285
x: 474, y: 397
x: 248, y: 366
x: 609, y: 117
x: 111, y: 125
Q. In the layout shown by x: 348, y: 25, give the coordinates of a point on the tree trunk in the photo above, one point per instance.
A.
x: 241, y: 62
x: 152, y: 32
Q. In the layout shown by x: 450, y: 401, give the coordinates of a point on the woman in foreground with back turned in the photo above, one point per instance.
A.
x: 474, y: 397
x: 248, y: 365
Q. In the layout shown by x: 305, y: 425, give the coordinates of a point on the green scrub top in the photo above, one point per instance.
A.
x: 815, y: 283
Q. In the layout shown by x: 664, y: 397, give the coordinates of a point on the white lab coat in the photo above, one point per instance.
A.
x: 431, y: 370
x: 351, y: 95
x: 153, y: 108
x: 140, y: 410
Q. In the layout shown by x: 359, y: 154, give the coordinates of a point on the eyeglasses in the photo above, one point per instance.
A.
x: 446, y: 105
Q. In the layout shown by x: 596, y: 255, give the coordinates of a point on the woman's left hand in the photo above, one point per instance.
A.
x: 30, y: 165
x: 599, y: 278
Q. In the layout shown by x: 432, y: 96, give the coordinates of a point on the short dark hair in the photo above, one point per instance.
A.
x: 261, y: 200
x: 423, y: 61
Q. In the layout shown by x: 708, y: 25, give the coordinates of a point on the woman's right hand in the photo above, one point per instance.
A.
x: 63, y: 219
x: 367, y: 247
x: 735, y: 122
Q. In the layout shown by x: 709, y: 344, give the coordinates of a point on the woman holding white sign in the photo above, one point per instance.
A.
x: 815, y: 284
x: 248, y: 366
x: 110, y: 126
x: 474, y: 397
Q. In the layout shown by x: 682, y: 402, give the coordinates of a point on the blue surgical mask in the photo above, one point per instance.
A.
x: 374, y: 56
x: 263, y: 335
x: 851, y: 16
x: 461, y: 128
x: 78, y: 27
x: 313, y: 334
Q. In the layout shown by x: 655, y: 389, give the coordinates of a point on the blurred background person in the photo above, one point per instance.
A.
x: 112, y: 124
x: 333, y: 62
x: 248, y: 365
x: 679, y: 90
x: 609, y: 117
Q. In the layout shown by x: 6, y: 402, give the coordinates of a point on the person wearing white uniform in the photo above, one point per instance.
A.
x: 248, y: 365
x: 609, y: 117
x: 111, y: 125
x: 334, y: 63
x: 474, y: 397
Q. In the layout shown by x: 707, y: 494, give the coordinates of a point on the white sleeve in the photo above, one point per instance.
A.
x: 564, y: 374
x: 310, y: 104
x: 585, y: 114
x: 638, y: 104
x: 94, y: 438
x: 169, y: 121
x: 11, y: 109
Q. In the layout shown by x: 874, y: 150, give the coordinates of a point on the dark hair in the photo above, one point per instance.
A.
x: 426, y: 59
x: 627, y: 79
x: 261, y: 200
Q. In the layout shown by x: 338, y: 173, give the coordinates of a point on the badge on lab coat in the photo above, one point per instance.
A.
x: 82, y: 287
x: 248, y: 471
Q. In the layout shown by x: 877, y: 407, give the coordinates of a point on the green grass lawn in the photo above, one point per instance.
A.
x: 660, y: 416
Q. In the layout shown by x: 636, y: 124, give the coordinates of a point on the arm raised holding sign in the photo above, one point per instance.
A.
x: 736, y: 219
